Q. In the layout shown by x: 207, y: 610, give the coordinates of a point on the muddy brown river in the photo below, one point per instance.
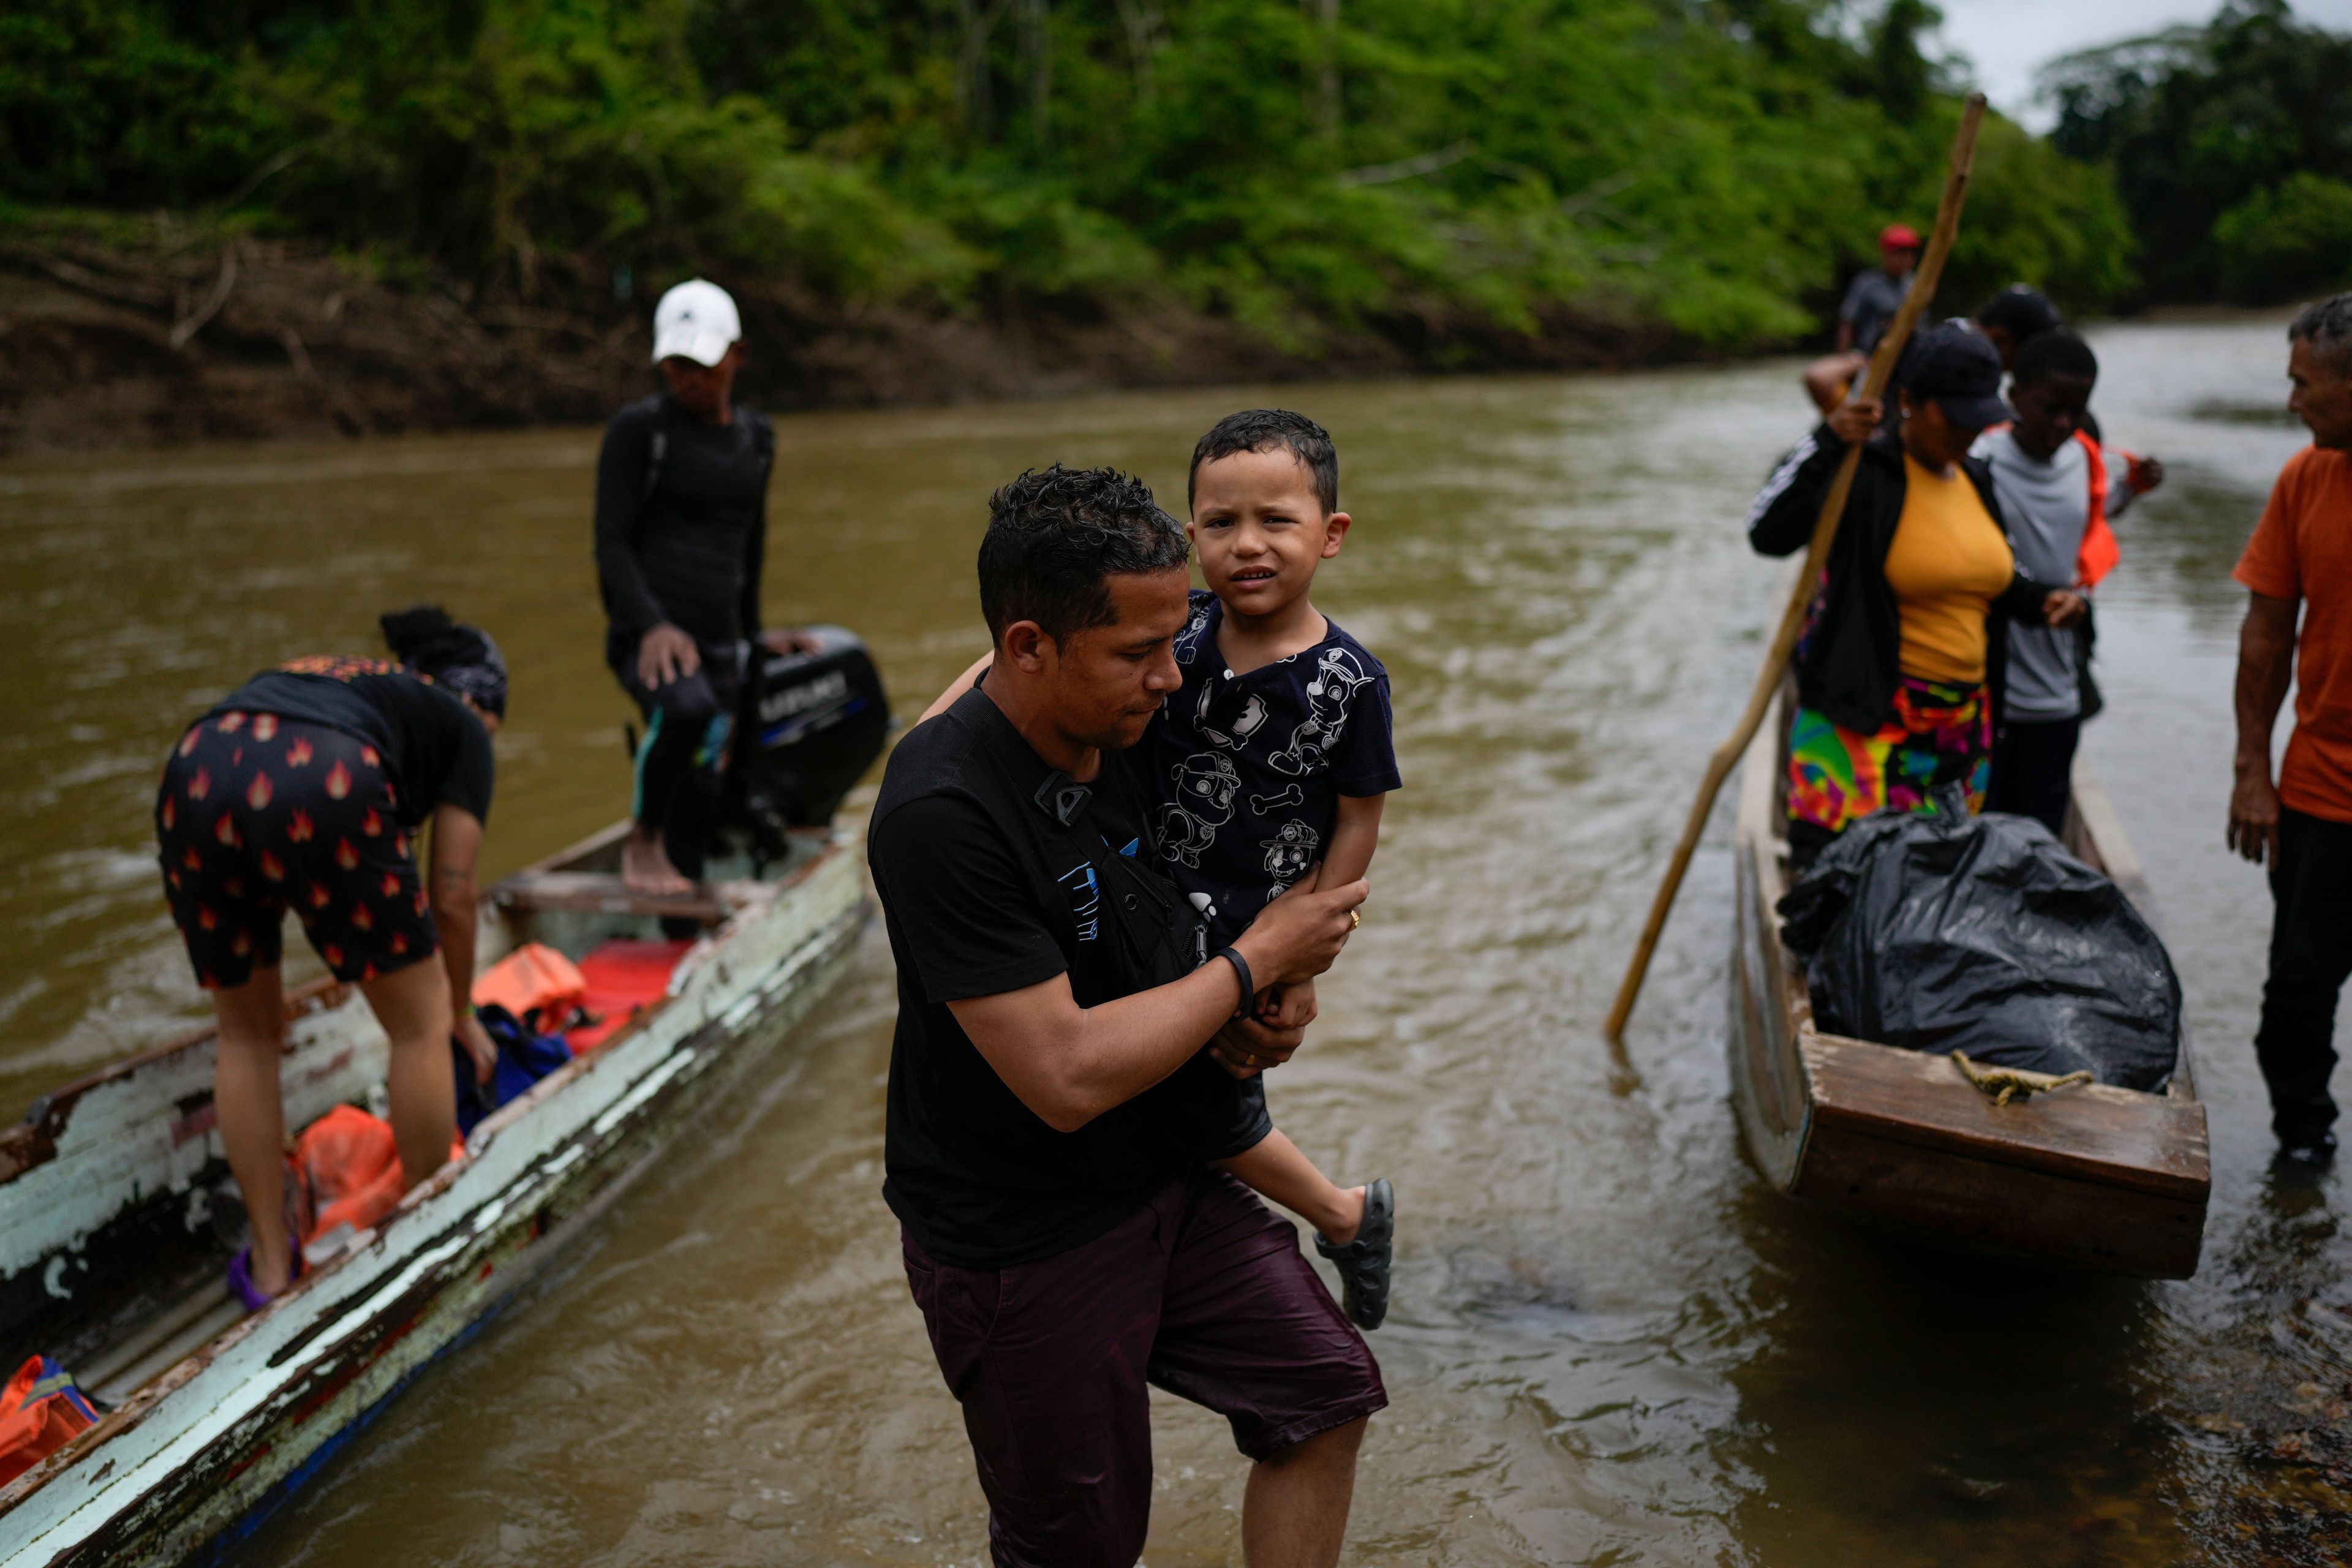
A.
x: 1611, y: 1344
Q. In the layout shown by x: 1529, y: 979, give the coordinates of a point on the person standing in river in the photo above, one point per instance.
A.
x: 2300, y: 559
x: 681, y: 536
x: 1066, y: 1246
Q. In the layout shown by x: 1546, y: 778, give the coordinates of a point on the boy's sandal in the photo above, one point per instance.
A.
x: 1363, y: 1263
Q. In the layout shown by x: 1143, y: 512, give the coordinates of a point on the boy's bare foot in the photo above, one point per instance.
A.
x: 645, y: 868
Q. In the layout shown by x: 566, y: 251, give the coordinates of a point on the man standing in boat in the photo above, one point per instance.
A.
x: 2300, y: 558
x: 681, y: 535
x: 1064, y: 1248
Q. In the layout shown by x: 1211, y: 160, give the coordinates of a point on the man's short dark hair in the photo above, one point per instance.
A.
x: 1054, y: 539
x: 2024, y: 313
x: 1264, y: 429
x: 2058, y: 352
x: 2326, y: 326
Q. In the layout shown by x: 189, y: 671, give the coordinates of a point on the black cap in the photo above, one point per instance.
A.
x: 2023, y: 314
x: 1958, y: 366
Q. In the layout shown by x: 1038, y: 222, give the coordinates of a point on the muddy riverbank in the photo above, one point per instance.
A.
x: 163, y: 332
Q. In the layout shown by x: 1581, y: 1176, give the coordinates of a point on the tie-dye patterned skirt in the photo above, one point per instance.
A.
x: 1940, y: 735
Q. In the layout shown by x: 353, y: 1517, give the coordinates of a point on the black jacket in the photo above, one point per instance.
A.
x: 681, y: 538
x: 1849, y: 662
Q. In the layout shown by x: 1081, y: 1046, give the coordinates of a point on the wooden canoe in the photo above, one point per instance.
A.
x: 2093, y: 1177
x: 113, y: 1193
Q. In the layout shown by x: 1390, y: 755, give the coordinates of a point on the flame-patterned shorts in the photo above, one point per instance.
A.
x: 257, y: 815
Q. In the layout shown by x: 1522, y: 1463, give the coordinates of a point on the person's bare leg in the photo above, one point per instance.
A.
x: 646, y: 865
x: 251, y: 1019
x: 1276, y: 1169
x: 413, y: 1005
x: 1294, y: 1509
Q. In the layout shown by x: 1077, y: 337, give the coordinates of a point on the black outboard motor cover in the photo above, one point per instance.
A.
x: 1979, y: 934
x: 811, y: 724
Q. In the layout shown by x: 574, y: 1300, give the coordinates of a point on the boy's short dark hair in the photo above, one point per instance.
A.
x: 1054, y: 538
x: 2024, y: 313
x: 1264, y: 429
x: 2056, y: 352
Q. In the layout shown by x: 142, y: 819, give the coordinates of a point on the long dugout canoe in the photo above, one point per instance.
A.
x: 110, y: 1259
x: 2094, y: 1177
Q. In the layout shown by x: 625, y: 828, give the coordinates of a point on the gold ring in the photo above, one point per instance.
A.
x: 1355, y: 919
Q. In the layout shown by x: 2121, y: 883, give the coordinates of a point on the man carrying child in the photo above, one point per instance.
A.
x: 1065, y: 1242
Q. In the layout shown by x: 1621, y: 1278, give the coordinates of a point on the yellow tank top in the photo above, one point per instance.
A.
x: 1946, y: 565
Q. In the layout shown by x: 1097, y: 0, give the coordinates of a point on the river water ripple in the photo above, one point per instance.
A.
x: 1610, y: 1344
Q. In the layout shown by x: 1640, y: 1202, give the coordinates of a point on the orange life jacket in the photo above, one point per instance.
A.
x: 533, y: 976
x: 2099, y: 551
x: 2099, y: 554
x: 40, y: 1412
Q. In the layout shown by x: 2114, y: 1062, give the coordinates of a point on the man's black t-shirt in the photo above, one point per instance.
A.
x: 984, y: 891
x: 690, y: 553
x: 434, y: 747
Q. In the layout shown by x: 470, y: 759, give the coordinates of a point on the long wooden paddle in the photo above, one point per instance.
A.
x: 1792, y: 619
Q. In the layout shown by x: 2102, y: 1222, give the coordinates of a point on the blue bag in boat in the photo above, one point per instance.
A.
x: 525, y: 1057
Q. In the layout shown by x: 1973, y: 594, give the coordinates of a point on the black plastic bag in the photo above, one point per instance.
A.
x: 1979, y: 934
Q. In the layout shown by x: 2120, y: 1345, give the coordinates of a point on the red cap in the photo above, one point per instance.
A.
x: 1898, y: 236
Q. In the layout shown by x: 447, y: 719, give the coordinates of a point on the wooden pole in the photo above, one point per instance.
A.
x: 1800, y: 597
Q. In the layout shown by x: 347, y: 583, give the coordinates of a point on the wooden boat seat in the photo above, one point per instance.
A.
x: 603, y: 893
x: 2093, y: 1133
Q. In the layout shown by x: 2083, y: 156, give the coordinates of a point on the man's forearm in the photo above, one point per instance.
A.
x: 1128, y: 1045
x: 1070, y: 1064
x: 2265, y: 666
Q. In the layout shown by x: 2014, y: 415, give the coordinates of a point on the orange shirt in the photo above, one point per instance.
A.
x: 2303, y: 550
x: 1947, y: 564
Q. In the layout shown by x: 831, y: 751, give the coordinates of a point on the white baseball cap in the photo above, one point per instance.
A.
x: 696, y: 320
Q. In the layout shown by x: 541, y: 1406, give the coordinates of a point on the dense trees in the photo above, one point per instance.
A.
x: 2232, y: 145
x: 1302, y: 166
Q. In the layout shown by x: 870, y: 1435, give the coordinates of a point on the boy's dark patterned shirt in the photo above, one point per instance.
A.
x: 1249, y: 768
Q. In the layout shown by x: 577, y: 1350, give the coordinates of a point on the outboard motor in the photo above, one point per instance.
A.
x: 811, y: 723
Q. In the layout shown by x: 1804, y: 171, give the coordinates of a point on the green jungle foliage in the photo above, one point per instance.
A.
x: 2231, y: 146
x: 1419, y: 168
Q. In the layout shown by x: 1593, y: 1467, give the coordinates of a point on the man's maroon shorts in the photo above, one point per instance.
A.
x: 1204, y: 1292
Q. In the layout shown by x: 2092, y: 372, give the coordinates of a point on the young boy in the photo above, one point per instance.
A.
x: 1270, y: 765
x: 2057, y: 487
x: 1273, y: 760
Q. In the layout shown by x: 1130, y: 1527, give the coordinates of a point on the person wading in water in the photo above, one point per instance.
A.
x: 681, y: 535
x: 2300, y: 559
x: 305, y: 789
x: 1064, y: 1243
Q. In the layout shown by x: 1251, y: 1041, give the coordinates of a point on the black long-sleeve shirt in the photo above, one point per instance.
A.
x: 1850, y: 660
x: 690, y: 553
